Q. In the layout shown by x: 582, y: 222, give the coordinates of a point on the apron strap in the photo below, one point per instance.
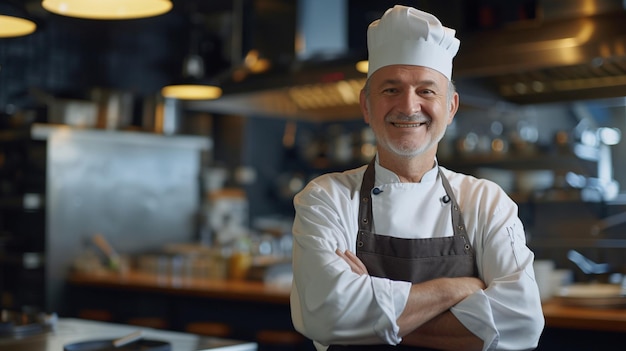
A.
x: 365, y: 207
x: 458, y: 225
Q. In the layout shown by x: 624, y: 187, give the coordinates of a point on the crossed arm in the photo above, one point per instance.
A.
x: 426, y: 320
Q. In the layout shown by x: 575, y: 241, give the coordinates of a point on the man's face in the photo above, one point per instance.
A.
x: 408, y: 109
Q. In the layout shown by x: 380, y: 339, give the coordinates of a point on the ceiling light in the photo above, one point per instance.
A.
x: 193, y: 85
x: 108, y: 9
x: 14, y: 22
x: 191, y: 92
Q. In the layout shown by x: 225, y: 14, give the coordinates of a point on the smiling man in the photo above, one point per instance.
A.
x: 403, y: 253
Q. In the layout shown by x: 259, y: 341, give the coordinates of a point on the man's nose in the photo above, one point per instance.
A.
x: 411, y: 103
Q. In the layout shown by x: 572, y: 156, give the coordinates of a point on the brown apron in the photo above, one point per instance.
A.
x: 412, y: 260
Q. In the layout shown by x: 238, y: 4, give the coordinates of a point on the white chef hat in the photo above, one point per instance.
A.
x: 407, y: 36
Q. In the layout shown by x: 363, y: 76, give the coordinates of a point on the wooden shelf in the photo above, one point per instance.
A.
x: 219, y: 289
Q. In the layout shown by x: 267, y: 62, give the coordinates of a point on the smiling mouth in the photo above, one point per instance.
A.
x: 409, y: 125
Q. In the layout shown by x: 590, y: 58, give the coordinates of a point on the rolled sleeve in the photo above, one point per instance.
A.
x: 503, y: 322
x: 393, y: 294
x: 474, y: 312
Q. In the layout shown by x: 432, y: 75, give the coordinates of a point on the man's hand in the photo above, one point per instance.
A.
x: 354, y: 262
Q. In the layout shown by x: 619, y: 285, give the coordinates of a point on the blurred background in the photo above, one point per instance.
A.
x: 102, y: 170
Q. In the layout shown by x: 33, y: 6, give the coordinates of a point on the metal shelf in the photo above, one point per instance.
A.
x: 535, y: 161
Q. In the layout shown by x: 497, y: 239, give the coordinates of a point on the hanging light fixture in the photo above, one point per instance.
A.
x: 108, y: 9
x: 14, y: 21
x: 193, y: 85
x: 362, y: 66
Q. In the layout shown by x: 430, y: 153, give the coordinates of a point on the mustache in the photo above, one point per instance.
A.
x: 413, y: 118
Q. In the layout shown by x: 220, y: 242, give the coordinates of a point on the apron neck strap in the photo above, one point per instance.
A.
x: 365, y: 206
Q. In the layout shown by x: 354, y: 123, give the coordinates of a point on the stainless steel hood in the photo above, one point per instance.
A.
x: 324, y: 92
x: 550, y: 60
x: 312, y: 74
x: 572, y: 50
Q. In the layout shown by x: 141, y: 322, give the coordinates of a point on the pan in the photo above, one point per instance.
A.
x: 107, y: 345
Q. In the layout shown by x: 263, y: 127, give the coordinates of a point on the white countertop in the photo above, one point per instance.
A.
x: 69, y: 330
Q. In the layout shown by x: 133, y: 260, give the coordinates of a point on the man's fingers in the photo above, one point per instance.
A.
x: 357, y: 261
x: 356, y: 265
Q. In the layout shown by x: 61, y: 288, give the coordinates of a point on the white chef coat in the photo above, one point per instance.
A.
x: 331, y: 304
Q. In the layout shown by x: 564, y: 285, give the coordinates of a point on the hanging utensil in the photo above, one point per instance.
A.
x: 586, y: 265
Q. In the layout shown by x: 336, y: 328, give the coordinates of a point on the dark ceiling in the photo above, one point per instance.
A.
x: 69, y: 57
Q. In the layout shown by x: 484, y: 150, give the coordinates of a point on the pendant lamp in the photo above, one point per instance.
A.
x: 108, y: 9
x: 193, y: 85
x: 14, y: 21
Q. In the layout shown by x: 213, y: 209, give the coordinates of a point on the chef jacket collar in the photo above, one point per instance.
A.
x: 385, y: 176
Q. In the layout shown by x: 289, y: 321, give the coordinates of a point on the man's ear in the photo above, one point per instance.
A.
x: 454, y: 107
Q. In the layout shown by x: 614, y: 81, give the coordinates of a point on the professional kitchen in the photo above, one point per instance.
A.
x: 136, y: 213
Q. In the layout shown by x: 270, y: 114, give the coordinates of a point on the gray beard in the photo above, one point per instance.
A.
x: 407, y: 152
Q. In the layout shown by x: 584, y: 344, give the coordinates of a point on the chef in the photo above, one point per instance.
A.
x: 403, y: 251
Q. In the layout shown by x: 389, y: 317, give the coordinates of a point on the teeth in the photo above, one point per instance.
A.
x: 404, y: 125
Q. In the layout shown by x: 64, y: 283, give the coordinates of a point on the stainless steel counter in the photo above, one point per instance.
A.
x: 69, y: 330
